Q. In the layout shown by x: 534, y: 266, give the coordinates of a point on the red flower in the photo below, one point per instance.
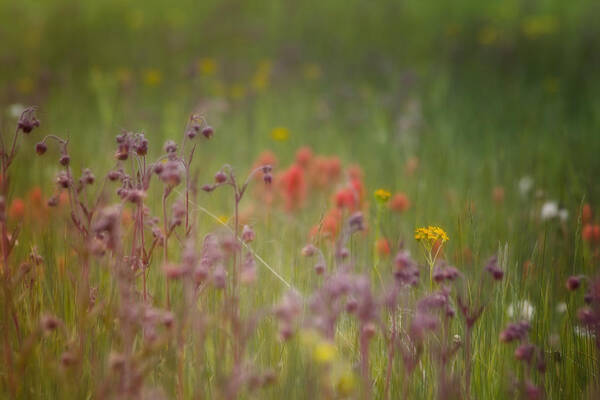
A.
x: 383, y: 247
x: 304, y: 156
x: 17, y: 208
x: 293, y: 187
x: 399, y: 203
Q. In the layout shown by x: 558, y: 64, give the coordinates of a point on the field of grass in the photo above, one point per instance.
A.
x: 162, y: 277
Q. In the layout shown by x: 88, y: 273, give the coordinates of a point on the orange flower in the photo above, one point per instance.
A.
x: 264, y: 158
x: 36, y: 197
x: 382, y: 247
x: 596, y: 233
x: 293, y: 187
x: 63, y: 198
x: 304, y: 156
x: 399, y: 203
x: 17, y: 208
x: 498, y: 195
x: 346, y: 198
x: 329, y: 226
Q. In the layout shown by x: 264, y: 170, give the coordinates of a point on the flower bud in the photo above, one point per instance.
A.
x: 41, y: 148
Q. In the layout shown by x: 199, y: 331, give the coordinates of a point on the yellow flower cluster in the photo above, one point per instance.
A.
x: 431, y: 234
x: 382, y: 195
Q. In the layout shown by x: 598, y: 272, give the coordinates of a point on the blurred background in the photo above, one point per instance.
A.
x: 512, y: 84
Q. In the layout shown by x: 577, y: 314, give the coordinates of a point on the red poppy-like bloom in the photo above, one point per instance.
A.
x: 399, y: 203
x: 17, y: 208
x: 346, y: 198
x: 498, y: 195
x: 36, y: 197
x: 293, y: 187
x: 325, y: 171
x: 382, y: 246
x: 329, y: 226
x: 304, y: 157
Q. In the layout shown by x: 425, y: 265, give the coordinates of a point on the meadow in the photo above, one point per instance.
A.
x: 279, y: 199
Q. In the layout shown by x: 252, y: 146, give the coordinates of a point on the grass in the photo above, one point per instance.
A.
x: 473, y: 123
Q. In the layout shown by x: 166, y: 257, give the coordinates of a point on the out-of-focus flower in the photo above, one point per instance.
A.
x: 206, y: 66
x: 399, y: 203
x: 431, y: 234
x: 549, y: 210
x: 411, y: 166
x: 280, y: 134
x: 523, y: 309
x: 525, y: 185
x: 17, y: 208
x: 586, y: 214
x: 324, y: 352
x: 498, y: 195
x: 382, y: 196
x: 382, y: 247
x: 152, y: 77
x: 561, y: 307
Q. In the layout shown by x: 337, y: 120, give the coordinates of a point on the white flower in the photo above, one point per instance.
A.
x: 561, y: 307
x: 525, y: 185
x: 549, y: 210
x: 583, y: 332
x: 523, y: 309
x: 15, y: 110
x: 563, y: 214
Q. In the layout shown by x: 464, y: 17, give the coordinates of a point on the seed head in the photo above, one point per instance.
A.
x: 41, y: 148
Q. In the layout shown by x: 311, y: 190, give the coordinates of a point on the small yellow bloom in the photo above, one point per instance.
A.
x: 280, y: 134
x: 223, y: 219
x: 324, y: 352
x: 431, y: 234
x: 382, y: 195
x: 346, y: 383
x: 152, y: 77
x: 206, y: 66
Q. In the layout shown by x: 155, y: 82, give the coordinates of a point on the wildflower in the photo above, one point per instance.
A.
x: 280, y: 134
x: 525, y: 185
x: 399, y: 203
x: 498, y: 195
x: 152, y: 77
x: 382, y: 196
x: 406, y: 271
x: 563, y: 214
x: 309, y: 250
x: 515, y: 331
x: 248, y: 234
x: 28, y: 121
x: 304, y: 156
x: 549, y: 210
x: 573, y: 283
x: 17, y: 208
x: 586, y: 214
x: 382, y: 246
x: 493, y: 269
x: 41, y: 148
x: 346, y: 384
x: 431, y: 234
x: 208, y: 132
x: 206, y: 66
x: 324, y: 352
x: 523, y: 309
x: 293, y: 187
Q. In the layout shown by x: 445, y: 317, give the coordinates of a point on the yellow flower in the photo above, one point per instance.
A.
x: 431, y: 234
x: 280, y: 134
x: 206, y: 66
x: 260, y: 80
x: 324, y: 352
x: 346, y: 383
x: 223, y: 219
x: 152, y: 77
x: 382, y: 195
